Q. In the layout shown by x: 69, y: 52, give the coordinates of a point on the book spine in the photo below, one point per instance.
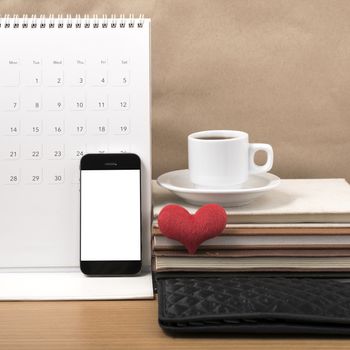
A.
x: 249, y: 253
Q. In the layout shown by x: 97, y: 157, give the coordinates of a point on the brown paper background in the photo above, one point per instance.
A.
x: 279, y: 70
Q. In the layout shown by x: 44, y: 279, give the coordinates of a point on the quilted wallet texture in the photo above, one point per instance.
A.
x: 254, y: 305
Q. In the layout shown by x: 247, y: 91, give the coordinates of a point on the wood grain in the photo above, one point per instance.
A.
x: 118, y: 325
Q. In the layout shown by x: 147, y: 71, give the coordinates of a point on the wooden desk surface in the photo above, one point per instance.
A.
x: 125, y: 325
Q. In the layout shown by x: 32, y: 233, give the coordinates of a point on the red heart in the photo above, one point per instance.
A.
x: 177, y: 223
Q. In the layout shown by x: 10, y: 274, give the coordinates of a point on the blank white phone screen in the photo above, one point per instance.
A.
x: 110, y: 215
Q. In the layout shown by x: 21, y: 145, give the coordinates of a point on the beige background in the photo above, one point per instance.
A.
x: 279, y: 70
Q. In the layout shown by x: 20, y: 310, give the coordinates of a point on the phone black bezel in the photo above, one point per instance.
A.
x: 113, y: 162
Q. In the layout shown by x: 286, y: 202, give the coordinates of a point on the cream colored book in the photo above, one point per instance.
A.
x: 252, y: 264
x: 278, y: 229
x: 294, y: 201
x: 260, y: 242
x: 253, y: 253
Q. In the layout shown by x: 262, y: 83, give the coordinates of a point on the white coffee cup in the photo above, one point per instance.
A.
x: 224, y: 158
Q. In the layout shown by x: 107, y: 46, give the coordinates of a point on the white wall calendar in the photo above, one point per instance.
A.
x: 68, y: 86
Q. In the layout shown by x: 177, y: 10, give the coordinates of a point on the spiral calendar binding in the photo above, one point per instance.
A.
x: 68, y: 21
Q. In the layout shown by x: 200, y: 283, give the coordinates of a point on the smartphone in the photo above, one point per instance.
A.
x: 110, y: 214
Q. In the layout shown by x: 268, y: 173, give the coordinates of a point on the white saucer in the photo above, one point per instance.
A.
x: 179, y: 183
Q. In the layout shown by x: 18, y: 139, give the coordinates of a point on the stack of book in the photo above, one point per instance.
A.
x: 302, y: 226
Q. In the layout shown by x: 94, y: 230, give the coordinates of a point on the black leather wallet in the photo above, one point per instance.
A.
x: 249, y: 305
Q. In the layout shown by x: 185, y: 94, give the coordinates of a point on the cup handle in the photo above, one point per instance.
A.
x: 253, y: 167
